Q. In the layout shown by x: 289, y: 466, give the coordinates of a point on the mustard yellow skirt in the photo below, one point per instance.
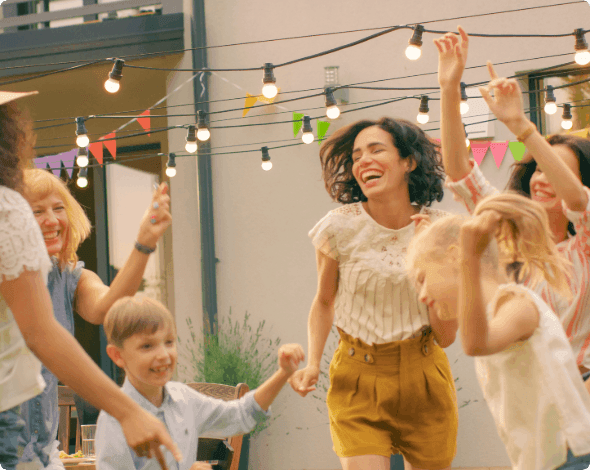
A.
x: 393, y: 398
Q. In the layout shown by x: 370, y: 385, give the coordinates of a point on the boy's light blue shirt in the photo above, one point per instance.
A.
x: 187, y: 415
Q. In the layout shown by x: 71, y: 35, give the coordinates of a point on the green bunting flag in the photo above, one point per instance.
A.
x: 322, y: 129
x: 297, y: 123
x: 518, y: 149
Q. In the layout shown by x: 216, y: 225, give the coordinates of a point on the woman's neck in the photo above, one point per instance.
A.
x: 393, y: 213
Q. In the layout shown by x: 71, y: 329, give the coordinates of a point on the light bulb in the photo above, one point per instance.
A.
x: 413, y: 52
x: 112, y: 86
x: 464, y: 107
x: 550, y: 107
x: 82, y: 140
x: 170, y: 171
x: 82, y: 161
x: 82, y: 182
x: 191, y: 147
x: 582, y: 57
x: 270, y: 90
x: 266, y: 165
x: 307, y: 137
x: 422, y: 118
x: 567, y: 124
x: 203, y: 134
x: 333, y: 112
x: 467, y: 142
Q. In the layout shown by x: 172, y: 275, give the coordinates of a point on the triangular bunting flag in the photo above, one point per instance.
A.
x: 518, y: 149
x: 479, y: 150
x: 248, y: 103
x: 145, y: 122
x: 95, y: 149
x: 498, y: 151
x: 68, y: 160
x: 111, y: 145
x: 322, y: 129
x: 297, y: 123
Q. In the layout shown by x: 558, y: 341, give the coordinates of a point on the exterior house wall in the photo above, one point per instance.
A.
x: 266, y: 261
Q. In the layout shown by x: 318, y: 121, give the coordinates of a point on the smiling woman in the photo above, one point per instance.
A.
x: 65, y: 226
x: 386, y: 173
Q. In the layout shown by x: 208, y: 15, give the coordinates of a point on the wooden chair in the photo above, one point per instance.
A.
x: 66, y: 403
x: 209, y: 448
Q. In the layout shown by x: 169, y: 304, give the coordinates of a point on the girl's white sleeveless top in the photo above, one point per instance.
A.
x: 536, y: 394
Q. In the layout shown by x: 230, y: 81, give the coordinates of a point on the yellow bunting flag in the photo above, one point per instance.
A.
x: 251, y: 101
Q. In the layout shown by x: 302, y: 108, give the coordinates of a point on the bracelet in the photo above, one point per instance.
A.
x: 526, y: 134
x: 144, y: 249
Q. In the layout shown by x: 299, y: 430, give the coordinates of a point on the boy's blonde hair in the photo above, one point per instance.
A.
x: 524, y: 236
x: 131, y: 315
x: 39, y: 184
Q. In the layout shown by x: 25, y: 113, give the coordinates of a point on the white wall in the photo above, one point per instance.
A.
x: 267, y: 264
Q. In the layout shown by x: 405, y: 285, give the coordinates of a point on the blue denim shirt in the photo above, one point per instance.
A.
x: 41, y: 414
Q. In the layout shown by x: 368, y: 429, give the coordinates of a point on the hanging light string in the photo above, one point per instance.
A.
x: 53, y: 72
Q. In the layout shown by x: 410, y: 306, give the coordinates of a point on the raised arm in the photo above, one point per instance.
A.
x: 93, y: 298
x: 452, y: 55
x: 30, y: 303
x: 321, y: 318
x: 507, y: 105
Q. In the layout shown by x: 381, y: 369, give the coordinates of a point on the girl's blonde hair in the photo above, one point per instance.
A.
x: 39, y: 184
x: 523, y: 236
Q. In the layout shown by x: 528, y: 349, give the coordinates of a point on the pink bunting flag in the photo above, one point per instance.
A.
x: 479, y: 150
x: 111, y: 145
x: 498, y: 151
x: 68, y: 159
x: 96, y: 150
x: 145, y: 122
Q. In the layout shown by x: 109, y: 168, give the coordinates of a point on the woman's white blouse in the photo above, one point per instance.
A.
x: 21, y: 249
x: 375, y: 302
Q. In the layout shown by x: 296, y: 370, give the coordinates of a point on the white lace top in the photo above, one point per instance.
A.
x: 536, y: 394
x: 21, y: 248
x: 376, y: 301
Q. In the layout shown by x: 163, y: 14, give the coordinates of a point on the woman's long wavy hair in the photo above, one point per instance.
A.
x: 39, y: 184
x: 17, y: 142
x: 425, y: 182
x: 521, y: 174
x: 523, y: 236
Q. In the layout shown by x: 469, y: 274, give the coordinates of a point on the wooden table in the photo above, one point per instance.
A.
x: 80, y: 466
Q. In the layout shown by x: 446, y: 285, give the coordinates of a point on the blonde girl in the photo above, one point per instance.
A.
x: 555, y: 172
x: 391, y: 387
x: 523, y: 360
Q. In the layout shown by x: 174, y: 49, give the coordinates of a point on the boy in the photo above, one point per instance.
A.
x: 141, y: 337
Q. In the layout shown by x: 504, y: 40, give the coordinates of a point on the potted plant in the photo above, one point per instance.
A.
x: 235, y: 354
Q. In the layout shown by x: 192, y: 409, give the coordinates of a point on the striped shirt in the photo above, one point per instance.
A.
x: 375, y: 302
x: 574, y: 315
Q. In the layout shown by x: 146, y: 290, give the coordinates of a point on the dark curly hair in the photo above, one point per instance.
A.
x: 522, y: 172
x: 17, y: 142
x: 425, y: 182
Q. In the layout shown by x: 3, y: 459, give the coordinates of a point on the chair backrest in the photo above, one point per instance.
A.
x: 227, y: 393
x: 66, y: 403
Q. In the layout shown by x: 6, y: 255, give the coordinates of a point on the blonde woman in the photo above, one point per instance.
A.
x: 524, y: 362
x: 65, y: 226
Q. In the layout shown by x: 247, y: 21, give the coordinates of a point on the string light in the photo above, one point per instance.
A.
x: 191, y: 140
x: 82, y: 158
x: 550, y: 105
x: 423, y: 117
x: 307, y: 136
x: 82, y: 139
x: 269, y: 89
x: 171, y: 166
x: 413, y: 51
x: 112, y: 84
x: 266, y: 163
x: 332, y: 110
x: 467, y: 142
x: 566, y: 117
x: 582, y: 56
x: 82, y: 180
x: 464, y: 98
x: 203, y: 133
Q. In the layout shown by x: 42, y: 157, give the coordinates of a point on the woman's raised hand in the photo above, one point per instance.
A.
x: 157, y: 218
x: 476, y: 233
x: 452, y: 55
x: 506, y: 102
x: 303, y: 381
